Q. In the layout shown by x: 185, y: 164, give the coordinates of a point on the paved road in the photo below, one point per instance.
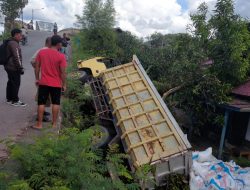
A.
x: 14, y: 119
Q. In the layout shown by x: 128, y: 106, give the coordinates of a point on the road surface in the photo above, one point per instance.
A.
x: 14, y: 119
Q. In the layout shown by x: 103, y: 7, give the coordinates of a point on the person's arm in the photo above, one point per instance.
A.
x: 37, y: 69
x: 33, y: 59
x: 63, y: 66
x: 63, y: 76
x: 16, y: 56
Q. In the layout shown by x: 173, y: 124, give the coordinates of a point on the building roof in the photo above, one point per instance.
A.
x: 238, y: 105
x: 242, y: 90
x: 241, y: 98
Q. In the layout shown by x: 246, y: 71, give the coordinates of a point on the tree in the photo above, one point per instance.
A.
x: 230, y: 43
x: 200, y: 29
x: 128, y: 45
x: 175, y: 65
x: 11, y: 10
x: 98, y: 14
x: 97, y: 22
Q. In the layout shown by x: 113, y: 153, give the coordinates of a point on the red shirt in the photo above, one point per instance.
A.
x: 51, y: 61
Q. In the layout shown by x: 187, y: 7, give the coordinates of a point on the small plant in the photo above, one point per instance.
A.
x: 118, y: 171
x: 77, y: 108
x: 143, y: 175
x: 9, y: 182
x: 241, y: 161
x: 177, y: 182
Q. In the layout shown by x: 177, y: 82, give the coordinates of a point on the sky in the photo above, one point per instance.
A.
x: 141, y: 17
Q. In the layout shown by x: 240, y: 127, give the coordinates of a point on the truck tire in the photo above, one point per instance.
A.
x: 106, y: 137
x: 83, y: 76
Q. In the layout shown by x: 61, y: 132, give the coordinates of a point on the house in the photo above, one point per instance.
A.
x: 236, y: 127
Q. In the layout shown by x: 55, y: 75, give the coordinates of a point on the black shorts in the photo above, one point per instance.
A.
x: 45, y: 91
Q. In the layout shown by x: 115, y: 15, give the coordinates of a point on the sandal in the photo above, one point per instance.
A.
x: 37, y: 128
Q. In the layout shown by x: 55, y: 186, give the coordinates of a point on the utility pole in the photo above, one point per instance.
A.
x: 24, y: 2
x: 32, y: 15
x: 22, y: 16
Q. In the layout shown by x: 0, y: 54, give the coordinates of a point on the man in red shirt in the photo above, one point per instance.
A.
x: 50, y: 78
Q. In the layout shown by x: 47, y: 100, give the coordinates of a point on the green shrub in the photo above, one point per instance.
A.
x: 77, y: 100
x: 177, y: 182
x: 241, y: 161
x: 4, y: 36
x: 61, y: 162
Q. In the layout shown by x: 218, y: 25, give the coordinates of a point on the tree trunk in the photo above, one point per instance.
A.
x: 171, y: 91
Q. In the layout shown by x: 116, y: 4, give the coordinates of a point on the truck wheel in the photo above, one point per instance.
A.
x: 83, y: 76
x: 102, y: 137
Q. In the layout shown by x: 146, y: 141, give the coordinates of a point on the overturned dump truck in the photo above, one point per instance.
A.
x: 130, y: 109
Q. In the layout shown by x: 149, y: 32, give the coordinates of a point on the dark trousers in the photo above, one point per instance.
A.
x: 13, y: 85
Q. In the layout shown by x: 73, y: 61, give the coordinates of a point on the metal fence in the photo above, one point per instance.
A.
x: 44, y: 26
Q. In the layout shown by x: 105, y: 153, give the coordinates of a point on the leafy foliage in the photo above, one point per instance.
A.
x: 98, y: 14
x: 241, y: 161
x: 118, y: 170
x: 76, y: 104
x: 11, y: 10
x: 97, y: 22
x: 231, y: 40
x: 128, y: 45
x: 143, y: 176
x: 4, y: 36
x: 76, y: 108
x: 64, y: 162
x: 67, y: 161
x: 175, y: 61
x: 176, y: 182
x: 117, y: 160
x: 224, y: 38
x: 178, y: 62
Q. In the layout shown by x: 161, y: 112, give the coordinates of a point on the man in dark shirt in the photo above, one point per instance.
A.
x: 14, y: 68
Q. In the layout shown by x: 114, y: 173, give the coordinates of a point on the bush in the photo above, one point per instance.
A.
x: 4, y: 36
x: 77, y: 108
x: 62, y: 162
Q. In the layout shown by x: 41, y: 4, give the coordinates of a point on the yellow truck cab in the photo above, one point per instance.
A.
x: 93, y: 66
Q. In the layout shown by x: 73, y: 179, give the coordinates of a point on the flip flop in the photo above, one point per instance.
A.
x: 37, y: 128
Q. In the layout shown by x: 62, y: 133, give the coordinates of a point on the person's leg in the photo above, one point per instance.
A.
x: 16, y: 85
x: 43, y: 93
x: 45, y: 114
x: 40, y: 111
x: 15, y: 89
x: 55, y: 94
x: 9, y: 96
x: 48, y: 104
x: 55, y: 111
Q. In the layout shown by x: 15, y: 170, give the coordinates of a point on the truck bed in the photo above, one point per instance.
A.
x: 148, y: 130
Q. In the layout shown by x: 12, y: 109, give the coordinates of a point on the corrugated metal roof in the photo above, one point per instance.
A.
x: 238, y: 105
x: 242, y: 90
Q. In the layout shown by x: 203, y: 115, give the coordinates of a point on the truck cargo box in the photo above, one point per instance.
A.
x: 149, y: 132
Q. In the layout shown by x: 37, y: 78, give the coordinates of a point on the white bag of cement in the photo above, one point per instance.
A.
x: 208, y: 173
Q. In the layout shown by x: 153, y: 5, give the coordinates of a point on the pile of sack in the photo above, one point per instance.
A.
x: 208, y: 173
